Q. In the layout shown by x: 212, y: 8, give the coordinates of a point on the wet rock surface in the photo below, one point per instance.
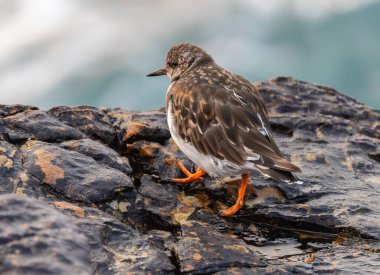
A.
x: 85, y: 190
x: 203, y: 249
x: 37, y: 239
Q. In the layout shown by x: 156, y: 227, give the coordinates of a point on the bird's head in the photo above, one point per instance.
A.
x: 182, y: 58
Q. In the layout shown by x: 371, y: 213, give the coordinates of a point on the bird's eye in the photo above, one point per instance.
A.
x: 173, y: 64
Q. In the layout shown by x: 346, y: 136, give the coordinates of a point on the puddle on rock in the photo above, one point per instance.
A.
x: 305, y: 247
x: 279, y: 248
x: 289, y: 243
x: 275, y: 242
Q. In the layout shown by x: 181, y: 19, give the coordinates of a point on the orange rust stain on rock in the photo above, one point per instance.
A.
x: 171, y: 161
x: 147, y: 150
x: 231, y: 235
x: 133, y: 129
x: 302, y: 235
x: 129, y: 147
x: 87, y: 114
x: 197, y: 257
x: 310, y: 258
x: 236, y: 247
x: 311, y: 157
x: 66, y: 205
x: 52, y: 172
x: 72, y: 144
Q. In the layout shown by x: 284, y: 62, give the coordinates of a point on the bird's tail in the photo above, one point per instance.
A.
x: 279, y: 175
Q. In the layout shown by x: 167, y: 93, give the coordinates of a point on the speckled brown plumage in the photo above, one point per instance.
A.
x: 218, y: 119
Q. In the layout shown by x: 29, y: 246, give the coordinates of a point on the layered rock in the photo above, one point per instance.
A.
x: 96, y: 181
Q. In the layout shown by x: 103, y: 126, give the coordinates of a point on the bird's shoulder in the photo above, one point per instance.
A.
x: 215, y: 83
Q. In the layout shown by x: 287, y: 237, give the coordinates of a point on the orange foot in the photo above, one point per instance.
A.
x: 190, y: 177
x: 239, y: 202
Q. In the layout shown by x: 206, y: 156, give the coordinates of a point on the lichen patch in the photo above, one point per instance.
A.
x: 197, y: 257
x: 6, y: 162
x: 52, y: 172
x: 66, y: 205
x: 134, y: 129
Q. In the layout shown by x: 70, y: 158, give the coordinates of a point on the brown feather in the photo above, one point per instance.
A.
x: 229, y: 124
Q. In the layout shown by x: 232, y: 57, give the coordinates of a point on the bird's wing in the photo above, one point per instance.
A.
x: 226, y: 124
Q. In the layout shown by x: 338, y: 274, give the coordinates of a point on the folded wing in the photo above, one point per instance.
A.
x: 231, y: 125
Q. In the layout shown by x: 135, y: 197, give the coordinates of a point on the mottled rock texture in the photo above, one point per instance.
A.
x: 38, y: 239
x: 85, y: 190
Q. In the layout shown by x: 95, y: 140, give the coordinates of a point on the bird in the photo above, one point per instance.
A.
x: 219, y: 121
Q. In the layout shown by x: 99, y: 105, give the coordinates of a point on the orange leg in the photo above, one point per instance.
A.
x: 239, y: 202
x: 190, y: 177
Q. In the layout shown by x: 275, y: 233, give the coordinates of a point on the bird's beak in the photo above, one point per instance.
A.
x: 158, y: 72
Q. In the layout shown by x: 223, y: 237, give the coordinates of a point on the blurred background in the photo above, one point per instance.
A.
x: 97, y: 52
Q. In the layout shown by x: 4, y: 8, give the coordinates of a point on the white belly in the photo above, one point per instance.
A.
x: 212, y: 165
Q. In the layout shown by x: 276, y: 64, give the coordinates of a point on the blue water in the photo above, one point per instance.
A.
x: 77, y: 53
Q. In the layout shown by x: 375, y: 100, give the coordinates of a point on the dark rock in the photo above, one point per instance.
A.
x: 335, y: 259
x: 157, y: 160
x: 13, y: 176
x: 166, y: 205
x: 90, y: 120
x: 36, y: 239
x: 99, y: 152
x: 10, y: 110
x: 11, y: 172
x: 158, y: 201
x: 149, y: 126
x: 339, y: 177
x: 327, y: 224
x: 162, y: 240
x: 202, y: 249
x: 73, y: 175
x: 375, y: 156
x: 38, y: 125
x: 116, y: 247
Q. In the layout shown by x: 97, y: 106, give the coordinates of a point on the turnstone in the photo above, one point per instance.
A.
x: 219, y: 120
